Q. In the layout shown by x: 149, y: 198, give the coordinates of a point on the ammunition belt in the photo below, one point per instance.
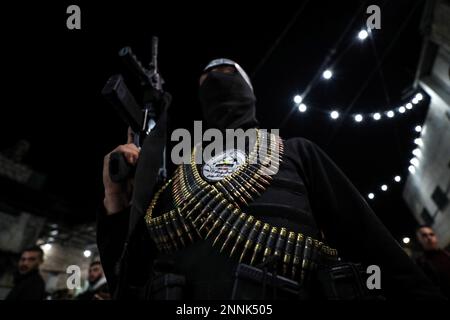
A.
x: 203, y: 210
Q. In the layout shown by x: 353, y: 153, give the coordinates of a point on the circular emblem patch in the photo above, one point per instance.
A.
x: 223, y: 164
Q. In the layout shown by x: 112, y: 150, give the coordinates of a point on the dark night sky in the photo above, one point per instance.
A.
x: 55, y: 77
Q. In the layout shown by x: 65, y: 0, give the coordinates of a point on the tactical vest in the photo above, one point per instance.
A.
x: 208, y: 204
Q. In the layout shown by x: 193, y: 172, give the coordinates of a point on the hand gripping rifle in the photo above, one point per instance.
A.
x: 141, y: 118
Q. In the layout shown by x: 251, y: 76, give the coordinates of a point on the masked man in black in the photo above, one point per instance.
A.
x: 241, y: 229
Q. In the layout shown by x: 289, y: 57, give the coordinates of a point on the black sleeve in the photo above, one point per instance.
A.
x: 112, y: 231
x: 350, y: 225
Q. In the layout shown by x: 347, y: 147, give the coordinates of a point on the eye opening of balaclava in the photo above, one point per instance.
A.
x: 227, y: 99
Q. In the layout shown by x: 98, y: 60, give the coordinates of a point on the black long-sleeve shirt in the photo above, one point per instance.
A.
x: 27, y: 287
x: 309, y: 194
x: 436, y: 266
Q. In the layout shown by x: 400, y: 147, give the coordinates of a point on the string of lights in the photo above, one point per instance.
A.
x: 327, y: 66
x: 414, y: 163
x: 388, y: 113
x: 335, y: 114
x: 332, y: 56
x: 332, y: 59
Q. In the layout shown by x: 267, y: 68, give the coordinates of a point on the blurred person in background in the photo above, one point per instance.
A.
x: 28, y: 283
x: 98, y: 288
x: 434, y: 261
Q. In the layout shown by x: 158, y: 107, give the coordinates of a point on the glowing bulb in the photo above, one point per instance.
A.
x: 418, y: 128
x: 371, y: 196
x: 358, y: 118
x: 298, y: 99
x: 418, y: 141
x: 302, y: 107
x: 327, y: 74
x: 406, y: 240
x: 419, y: 96
x: 417, y: 152
x: 87, y: 253
x: 415, y: 101
x: 384, y: 187
x: 46, y: 247
x: 397, y: 179
x: 363, y: 34
x: 390, y: 114
x: 401, y: 109
x: 334, y: 115
x: 377, y: 116
x: 414, y: 162
x: 409, y: 106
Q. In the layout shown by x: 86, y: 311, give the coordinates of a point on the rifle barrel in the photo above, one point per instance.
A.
x: 155, y: 53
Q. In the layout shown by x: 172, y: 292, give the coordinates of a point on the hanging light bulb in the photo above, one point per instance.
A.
x: 412, y: 169
x: 384, y: 187
x: 334, y: 115
x: 397, y: 179
x: 414, y: 162
x: 302, y: 107
x: 418, y: 128
x: 46, y: 247
x: 401, y: 109
x: 363, y: 34
x: 371, y: 196
x: 298, y: 99
x: 376, y: 116
x: 358, y: 118
x: 327, y: 74
x: 390, y: 114
x: 419, y: 96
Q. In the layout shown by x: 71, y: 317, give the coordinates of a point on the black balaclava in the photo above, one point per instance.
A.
x: 227, y: 99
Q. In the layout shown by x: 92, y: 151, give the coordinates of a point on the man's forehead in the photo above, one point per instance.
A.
x: 30, y: 254
x: 426, y: 230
